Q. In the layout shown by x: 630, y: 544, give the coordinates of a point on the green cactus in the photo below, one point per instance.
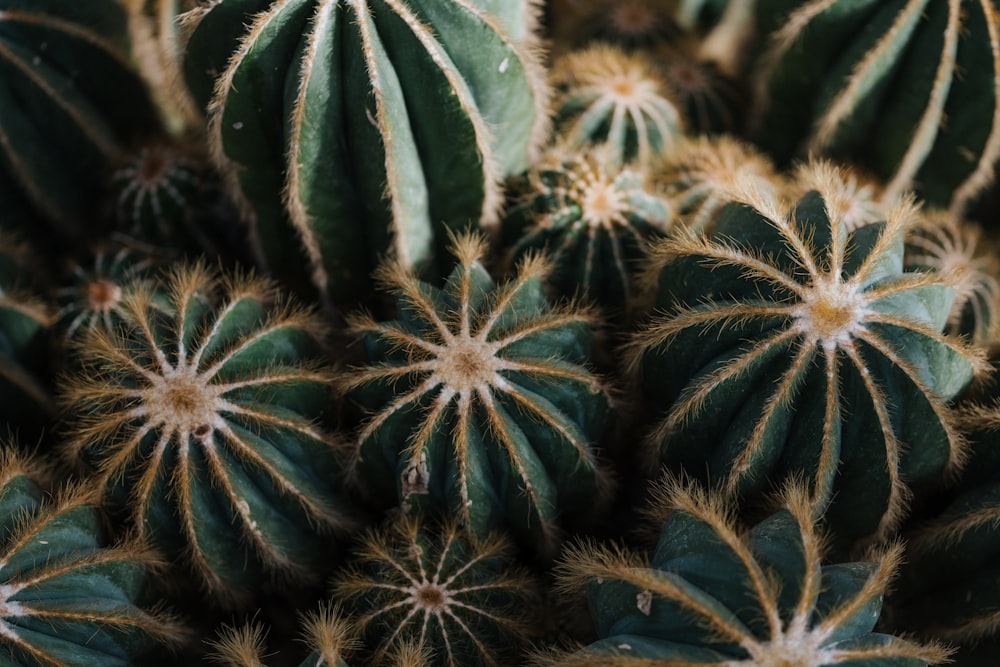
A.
x: 789, y: 346
x: 94, y: 299
x: 70, y: 105
x: 25, y: 321
x: 381, y: 136
x: 68, y: 598
x: 710, y: 100
x: 201, y: 423
x: 480, y: 401
x: 604, y: 95
x: 714, y: 594
x: 873, y: 82
x: 595, y: 220
x: 948, y: 244
x: 431, y: 586
x: 704, y: 174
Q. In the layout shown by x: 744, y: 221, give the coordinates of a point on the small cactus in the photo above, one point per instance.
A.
x: 713, y: 593
x: 789, y: 346
x: 201, y: 425
x: 604, y: 95
x: 480, y: 401
x: 595, y: 220
x: 69, y: 599
x: 953, y: 246
x: 433, y: 587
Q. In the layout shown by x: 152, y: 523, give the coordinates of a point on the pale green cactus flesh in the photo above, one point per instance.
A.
x: 792, y: 347
x: 390, y: 137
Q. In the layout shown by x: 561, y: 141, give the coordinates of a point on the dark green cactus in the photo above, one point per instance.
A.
x: 380, y: 133
x: 906, y: 88
x: 430, y: 586
x: 789, y: 346
x: 68, y: 598
x: 949, y: 586
x: 480, y: 401
x: 70, y: 106
x: 202, y: 425
x: 713, y: 593
x: 595, y: 220
x: 604, y: 95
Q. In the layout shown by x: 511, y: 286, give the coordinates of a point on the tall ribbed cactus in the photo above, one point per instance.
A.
x: 714, y: 593
x: 70, y: 104
x: 67, y: 598
x: 480, y: 401
x: 389, y: 123
x: 789, y: 346
x: 908, y: 88
x: 201, y: 423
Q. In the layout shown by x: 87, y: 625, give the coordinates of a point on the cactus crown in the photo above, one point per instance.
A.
x: 716, y: 592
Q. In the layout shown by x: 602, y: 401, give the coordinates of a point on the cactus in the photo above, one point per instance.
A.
x: 850, y: 194
x: 381, y: 137
x: 69, y: 599
x: 790, y: 346
x: 479, y: 400
x: 951, y: 245
x: 326, y: 632
x: 713, y: 593
x: 604, y: 95
x: 25, y: 320
x: 70, y: 105
x: 948, y: 585
x: 631, y: 24
x: 704, y: 174
x: 95, y: 297
x: 595, y: 220
x: 431, y: 586
x: 202, y: 426
x: 873, y: 82
x: 710, y: 100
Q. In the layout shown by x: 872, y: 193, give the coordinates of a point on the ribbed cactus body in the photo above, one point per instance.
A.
x: 70, y: 105
x: 203, y: 426
x: 388, y: 124
x: 595, y: 220
x: 792, y: 347
x: 715, y: 594
x: 605, y: 96
x: 25, y: 319
x: 949, y: 586
x: 419, y: 584
x: 480, y: 401
x: 67, y: 599
x: 908, y: 88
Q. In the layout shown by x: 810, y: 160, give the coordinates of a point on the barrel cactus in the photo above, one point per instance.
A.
x: 873, y: 82
x: 713, y: 593
x: 705, y: 173
x: 851, y: 195
x: 948, y: 584
x: 201, y: 422
x: 596, y: 221
x: 479, y: 400
x: 70, y: 105
x: 604, y: 95
x: 68, y: 597
x: 380, y: 134
x: 430, y: 586
x: 789, y: 346
x: 952, y: 245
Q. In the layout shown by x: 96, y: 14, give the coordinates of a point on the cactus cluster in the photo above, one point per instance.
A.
x: 359, y: 332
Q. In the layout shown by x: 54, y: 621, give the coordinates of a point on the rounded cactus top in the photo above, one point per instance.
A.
x: 716, y: 593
